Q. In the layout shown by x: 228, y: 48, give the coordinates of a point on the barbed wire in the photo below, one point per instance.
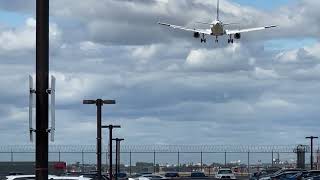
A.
x: 163, y: 148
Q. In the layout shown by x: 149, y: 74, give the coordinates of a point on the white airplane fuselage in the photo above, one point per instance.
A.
x: 217, y: 29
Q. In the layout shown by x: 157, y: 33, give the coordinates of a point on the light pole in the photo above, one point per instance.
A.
x: 42, y: 86
x: 117, y: 156
x: 110, y: 147
x: 99, y: 103
x: 311, y: 156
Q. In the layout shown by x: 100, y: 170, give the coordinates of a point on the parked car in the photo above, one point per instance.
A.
x: 94, y: 176
x: 264, y: 173
x: 225, y: 174
x: 139, y: 178
x: 151, y: 177
x: 136, y: 175
x: 312, y: 173
x: 280, y: 174
x: 259, y: 175
x: 284, y: 175
x: 197, y: 175
x: 312, y: 178
x: 121, y: 176
x: 50, y: 177
x: 287, y: 170
x: 297, y: 176
x: 171, y: 175
x: 15, y: 173
x: 145, y: 173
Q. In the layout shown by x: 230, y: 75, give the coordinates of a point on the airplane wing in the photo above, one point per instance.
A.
x: 229, y: 32
x: 202, y: 31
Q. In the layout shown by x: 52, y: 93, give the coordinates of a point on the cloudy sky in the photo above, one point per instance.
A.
x: 170, y: 88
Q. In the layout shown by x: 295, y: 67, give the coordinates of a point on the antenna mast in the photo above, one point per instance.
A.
x: 32, y: 93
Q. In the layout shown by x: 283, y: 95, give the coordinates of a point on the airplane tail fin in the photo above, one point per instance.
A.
x: 218, y: 10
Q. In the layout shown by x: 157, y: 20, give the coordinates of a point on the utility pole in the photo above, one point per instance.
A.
x: 311, y: 156
x: 99, y: 103
x: 42, y: 85
x: 110, y: 147
x: 117, y: 156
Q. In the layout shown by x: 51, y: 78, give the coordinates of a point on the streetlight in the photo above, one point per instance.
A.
x: 117, y: 155
x: 311, y: 157
x: 99, y: 103
x: 110, y: 146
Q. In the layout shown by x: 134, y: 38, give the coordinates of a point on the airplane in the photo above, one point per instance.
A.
x: 217, y: 28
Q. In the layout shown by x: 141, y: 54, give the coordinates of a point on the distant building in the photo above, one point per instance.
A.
x: 55, y: 168
x: 301, y: 156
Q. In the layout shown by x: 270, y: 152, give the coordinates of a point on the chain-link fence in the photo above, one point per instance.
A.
x: 243, y: 159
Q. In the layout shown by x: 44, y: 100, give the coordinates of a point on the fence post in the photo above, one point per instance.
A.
x: 82, y: 160
x: 272, y: 158
x: 201, y: 166
x: 178, y: 161
x: 249, y: 163
x: 130, y: 163
x: 154, y: 161
x: 107, y: 155
x: 59, y: 156
x: 11, y: 156
x: 225, y: 158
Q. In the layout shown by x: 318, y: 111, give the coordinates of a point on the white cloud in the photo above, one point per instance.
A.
x: 231, y: 58
x: 261, y: 73
x: 314, y: 50
x: 292, y: 56
x: 275, y: 104
x: 24, y: 38
x: 14, y: 40
x: 143, y: 53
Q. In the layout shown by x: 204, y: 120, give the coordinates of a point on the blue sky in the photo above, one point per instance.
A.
x: 264, y: 4
x: 12, y: 19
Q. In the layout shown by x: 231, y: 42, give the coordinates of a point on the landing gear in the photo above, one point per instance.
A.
x: 216, y: 39
x: 230, y: 40
x: 203, y: 39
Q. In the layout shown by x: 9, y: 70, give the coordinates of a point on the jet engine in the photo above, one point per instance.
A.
x: 196, y: 35
x: 237, y: 36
